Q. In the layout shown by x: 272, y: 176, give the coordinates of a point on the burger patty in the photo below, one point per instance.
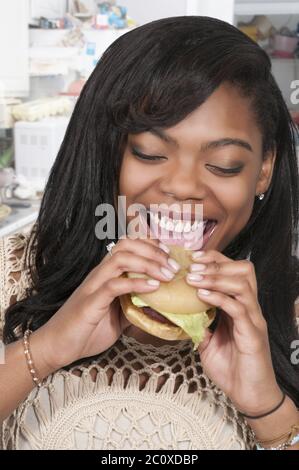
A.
x: 150, y: 312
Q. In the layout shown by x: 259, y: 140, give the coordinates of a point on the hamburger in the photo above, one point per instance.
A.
x: 173, y: 311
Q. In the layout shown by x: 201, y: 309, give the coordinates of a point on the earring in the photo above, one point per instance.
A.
x: 261, y: 196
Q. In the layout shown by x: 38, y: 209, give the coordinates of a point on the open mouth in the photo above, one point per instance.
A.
x: 193, y: 235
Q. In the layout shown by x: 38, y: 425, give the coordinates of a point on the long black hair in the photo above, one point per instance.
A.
x: 155, y: 75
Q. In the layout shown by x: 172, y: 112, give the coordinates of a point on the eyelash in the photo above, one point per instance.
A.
x: 146, y: 157
x: 230, y: 171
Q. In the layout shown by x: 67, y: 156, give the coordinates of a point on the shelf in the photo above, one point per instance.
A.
x: 18, y: 219
x: 285, y: 60
x: 50, y: 61
x: 47, y: 52
x: 265, y: 7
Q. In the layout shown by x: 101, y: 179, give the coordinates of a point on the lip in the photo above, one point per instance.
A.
x: 201, y: 243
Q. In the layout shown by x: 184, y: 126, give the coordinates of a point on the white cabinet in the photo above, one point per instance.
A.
x: 221, y: 9
x: 14, y: 76
x: 144, y: 11
x: 266, y: 7
x: 227, y: 10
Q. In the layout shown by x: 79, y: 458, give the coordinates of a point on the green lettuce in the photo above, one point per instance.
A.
x: 193, y: 324
x: 138, y: 302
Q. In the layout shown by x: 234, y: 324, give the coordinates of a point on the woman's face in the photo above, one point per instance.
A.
x: 212, y: 157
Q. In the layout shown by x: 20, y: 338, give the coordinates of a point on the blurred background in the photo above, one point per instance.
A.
x: 48, y: 49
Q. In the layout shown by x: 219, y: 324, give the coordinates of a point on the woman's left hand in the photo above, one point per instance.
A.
x: 236, y: 357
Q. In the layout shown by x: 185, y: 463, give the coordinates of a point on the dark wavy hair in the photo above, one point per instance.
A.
x: 155, y: 75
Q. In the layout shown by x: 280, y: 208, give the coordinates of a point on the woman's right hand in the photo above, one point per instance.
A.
x: 91, y: 320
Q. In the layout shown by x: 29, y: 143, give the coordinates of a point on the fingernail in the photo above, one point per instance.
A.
x: 168, y: 274
x: 173, y: 264
x: 198, y: 267
x: 203, y: 292
x: 197, y: 254
x: 164, y: 247
x: 153, y: 282
x: 194, y: 277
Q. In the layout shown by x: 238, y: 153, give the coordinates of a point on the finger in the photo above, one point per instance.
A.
x: 96, y: 304
x: 232, y: 286
x: 209, y: 256
x: 229, y: 285
x: 212, y: 264
x: 148, y: 248
x: 125, y: 261
x: 230, y: 306
x: 116, y: 287
x: 130, y: 244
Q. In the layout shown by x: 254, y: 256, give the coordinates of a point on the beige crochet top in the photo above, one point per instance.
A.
x: 133, y: 396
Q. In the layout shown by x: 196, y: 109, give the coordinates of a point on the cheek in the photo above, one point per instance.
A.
x: 126, y: 178
x: 134, y: 179
x: 237, y: 200
x: 237, y: 196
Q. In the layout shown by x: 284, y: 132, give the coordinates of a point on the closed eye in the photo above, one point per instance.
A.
x: 143, y: 156
x: 228, y: 171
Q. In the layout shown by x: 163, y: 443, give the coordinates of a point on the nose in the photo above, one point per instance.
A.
x: 184, y: 183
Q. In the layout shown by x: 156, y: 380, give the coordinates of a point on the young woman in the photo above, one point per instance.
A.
x: 180, y: 110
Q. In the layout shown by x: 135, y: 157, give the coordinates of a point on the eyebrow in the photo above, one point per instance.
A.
x: 225, y: 141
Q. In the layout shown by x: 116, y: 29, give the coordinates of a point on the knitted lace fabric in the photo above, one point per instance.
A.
x: 132, y: 396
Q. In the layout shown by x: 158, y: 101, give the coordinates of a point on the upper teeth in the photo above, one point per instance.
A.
x: 177, y: 225
x: 169, y: 225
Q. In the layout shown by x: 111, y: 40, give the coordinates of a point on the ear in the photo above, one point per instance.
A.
x: 266, y: 172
